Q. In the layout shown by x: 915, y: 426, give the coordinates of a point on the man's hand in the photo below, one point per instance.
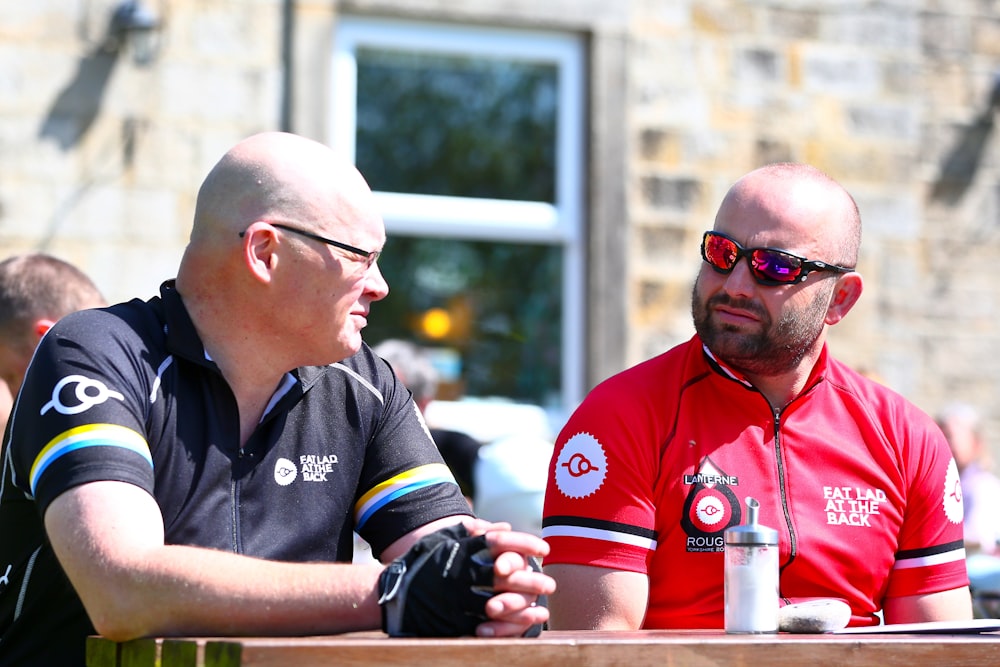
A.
x: 520, y: 607
x: 475, y: 579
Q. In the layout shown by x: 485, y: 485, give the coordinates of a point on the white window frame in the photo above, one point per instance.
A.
x: 559, y: 223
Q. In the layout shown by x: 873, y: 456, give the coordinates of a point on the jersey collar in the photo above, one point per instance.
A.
x: 817, y: 373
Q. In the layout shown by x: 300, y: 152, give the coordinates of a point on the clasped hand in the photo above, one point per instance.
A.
x: 514, y: 608
x: 472, y: 578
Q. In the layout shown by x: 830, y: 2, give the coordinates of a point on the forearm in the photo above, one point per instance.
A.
x: 108, y: 537
x: 192, y: 591
x: 953, y: 605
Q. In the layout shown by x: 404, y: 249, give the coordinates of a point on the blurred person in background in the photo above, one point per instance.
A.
x: 504, y: 478
x: 414, y: 368
x: 980, y: 489
x: 962, y: 426
x: 36, y: 290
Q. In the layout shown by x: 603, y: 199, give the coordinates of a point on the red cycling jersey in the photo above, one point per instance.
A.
x: 658, y: 460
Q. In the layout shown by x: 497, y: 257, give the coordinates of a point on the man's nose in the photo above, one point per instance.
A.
x: 741, y: 280
x: 375, y: 283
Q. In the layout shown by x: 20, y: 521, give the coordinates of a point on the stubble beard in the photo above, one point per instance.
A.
x: 769, y: 349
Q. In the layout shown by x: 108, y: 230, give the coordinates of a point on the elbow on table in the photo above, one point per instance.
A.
x: 118, y: 622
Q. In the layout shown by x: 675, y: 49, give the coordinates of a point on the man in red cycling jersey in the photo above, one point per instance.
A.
x: 657, y: 461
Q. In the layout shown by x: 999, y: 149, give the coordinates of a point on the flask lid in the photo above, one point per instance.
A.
x: 751, y: 532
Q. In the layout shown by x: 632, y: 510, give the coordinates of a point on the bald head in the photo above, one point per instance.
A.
x: 276, y: 175
x: 284, y: 238
x: 814, y: 203
x: 273, y: 177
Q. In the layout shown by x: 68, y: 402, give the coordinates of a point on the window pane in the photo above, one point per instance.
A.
x: 496, y: 304
x: 462, y: 126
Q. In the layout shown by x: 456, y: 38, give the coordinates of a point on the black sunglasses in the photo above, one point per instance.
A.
x: 769, y: 266
x: 370, y: 256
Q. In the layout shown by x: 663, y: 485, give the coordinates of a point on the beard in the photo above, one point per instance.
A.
x: 773, y: 349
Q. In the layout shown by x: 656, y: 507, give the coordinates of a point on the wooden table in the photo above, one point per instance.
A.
x: 659, y: 648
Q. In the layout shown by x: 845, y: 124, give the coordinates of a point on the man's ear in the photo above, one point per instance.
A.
x: 845, y: 295
x: 41, y: 327
x: 260, y: 250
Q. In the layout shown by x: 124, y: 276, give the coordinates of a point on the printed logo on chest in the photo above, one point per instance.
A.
x: 709, y: 508
x: 852, y: 505
x: 310, y: 468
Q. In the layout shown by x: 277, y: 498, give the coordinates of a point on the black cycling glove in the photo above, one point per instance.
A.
x: 439, y: 587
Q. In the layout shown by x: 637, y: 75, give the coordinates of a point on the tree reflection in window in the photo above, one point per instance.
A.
x: 459, y: 126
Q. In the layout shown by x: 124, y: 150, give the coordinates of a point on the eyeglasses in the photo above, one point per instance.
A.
x: 370, y: 256
x: 769, y: 266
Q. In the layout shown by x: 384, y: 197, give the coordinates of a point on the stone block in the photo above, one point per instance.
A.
x: 842, y: 73
x: 670, y: 193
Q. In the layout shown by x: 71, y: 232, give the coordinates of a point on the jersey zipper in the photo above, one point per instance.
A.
x: 782, y: 489
x: 234, y: 499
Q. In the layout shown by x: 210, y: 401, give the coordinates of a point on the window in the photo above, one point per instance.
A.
x: 471, y: 139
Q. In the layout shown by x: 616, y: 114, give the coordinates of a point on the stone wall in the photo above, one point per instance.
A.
x: 100, y: 159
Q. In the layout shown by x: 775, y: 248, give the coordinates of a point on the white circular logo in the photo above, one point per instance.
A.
x: 285, y: 472
x: 710, y: 510
x: 954, y: 508
x: 581, y: 467
x: 87, y: 394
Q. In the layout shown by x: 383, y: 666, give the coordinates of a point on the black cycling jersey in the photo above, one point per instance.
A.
x: 128, y: 393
